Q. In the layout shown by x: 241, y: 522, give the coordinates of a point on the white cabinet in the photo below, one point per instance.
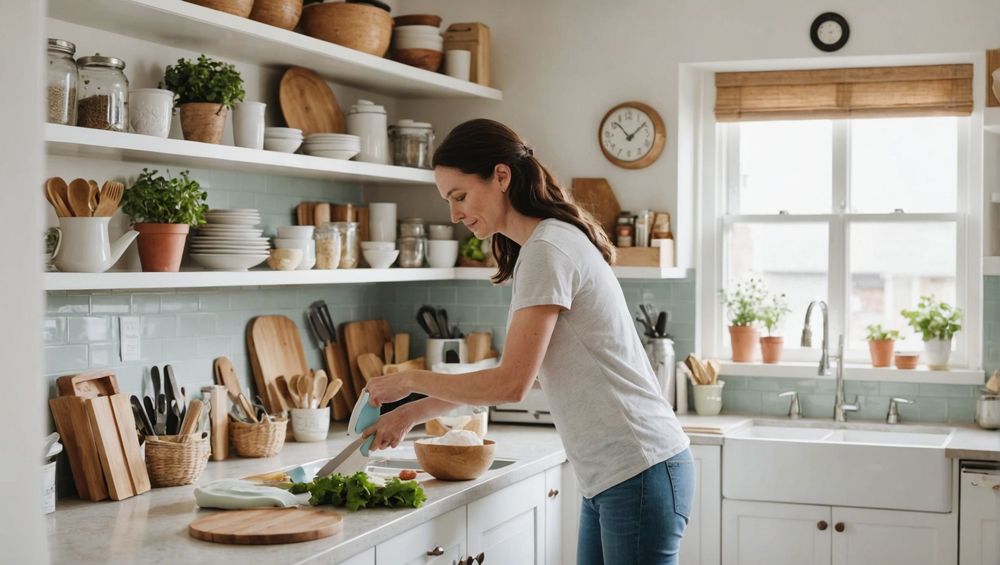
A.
x: 979, y: 537
x: 440, y: 541
x: 508, y: 526
x: 363, y: 558
x: 702, y: 543
x: 799, y: 534
x: 554, y: 501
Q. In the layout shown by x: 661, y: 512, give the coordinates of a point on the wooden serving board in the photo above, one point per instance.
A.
x: 262, y: 526
x: 307, y: 103
x: 596, y: 196
x: 73, y: 425
x: 275, y: 349
x: 88, y: 385
x: 368, y: 336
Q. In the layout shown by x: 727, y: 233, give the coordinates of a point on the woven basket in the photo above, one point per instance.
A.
x: 358, y: 26
x: 279, y: 13
x: 239, y: 8
x: 171, y: 463
x: 258, y: 440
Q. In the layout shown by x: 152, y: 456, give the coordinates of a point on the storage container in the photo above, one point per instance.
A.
x: 62, y: 78
x: 102, y: 95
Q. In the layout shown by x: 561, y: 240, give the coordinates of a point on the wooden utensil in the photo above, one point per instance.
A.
x: 417, y: 364
x: 110, y: 197
x: 219, y: 424
x: 596, y: 196
x: 92, y: 195
x: 284, y: 391
x: 319, y: 382
x: 73, y: 425
x: 370, y: 366
x: 79, y: 198
x: 109, y: 447
x: 478, y: 345
x: 262, y: 526
x: 55, y: 192
x: 275, y: 349
x: 191, y: 418
x: 714, y: 369
x: 362, y: 337
x: 389, y: 356
x: 331, y: 390
x: 401, y: 347
x: 88, y: 384
x: 303, y: 385
x: 246, y: 407
x: 225, y: 375
x: 307, y: 103
x: 321, y: 214
x: 125, y: 421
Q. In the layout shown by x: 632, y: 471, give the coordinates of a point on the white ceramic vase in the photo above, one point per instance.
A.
x: 936, y: 353
x: 150, y: 111
x: 248, y: 124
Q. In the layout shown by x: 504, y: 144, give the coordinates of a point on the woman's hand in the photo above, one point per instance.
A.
x: 389, y: 388
x: 390, y: 429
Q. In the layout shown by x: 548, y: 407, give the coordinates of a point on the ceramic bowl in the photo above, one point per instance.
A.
x: 455, y: 462
x: 285, y: 259
x: 338, y: 154
x: 379, y: 259
x: 228, y: 262
x: 442, y: 253
x: 296, y: 232
x: 907, y: 360
x: 283, y: 133
x: 427, y: 43
x: 282, y: 145
x: 379, y: 245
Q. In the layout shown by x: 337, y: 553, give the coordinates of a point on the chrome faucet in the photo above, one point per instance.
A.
x: 840, y: 406
x: 824, y: 360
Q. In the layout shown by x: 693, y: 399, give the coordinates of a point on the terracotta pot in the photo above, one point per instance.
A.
x: 907, y: 360
x: 744, y: 342
x: 161, y: 246
x: 881, y: 350
x: 203, y: 121
x: 239, y: 8
x: 278, y: 13
x: 770, y: 348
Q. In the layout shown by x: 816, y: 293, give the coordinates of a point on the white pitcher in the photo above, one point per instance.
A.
x: 84, y: 245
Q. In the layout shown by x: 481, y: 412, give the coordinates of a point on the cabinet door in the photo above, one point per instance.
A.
x: 440, y: 541
x: 978, y: 541
x: 885, y: 537
x: 363, y: 558
x: 554, y: 500
x: 508, y: 526
x: 702, y: 543
x: 768, y: 533
x: 571, y: 502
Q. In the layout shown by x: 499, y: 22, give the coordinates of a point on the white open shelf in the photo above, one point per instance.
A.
x: 991, y: 120
x: 109, y: 145
x: 222, y: 35
x: 991, y: 266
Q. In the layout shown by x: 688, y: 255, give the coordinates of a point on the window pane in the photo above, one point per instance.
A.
x: 908, y: 163
x: 785, y: 166
x: 891, y: 266
x: 790, y: 258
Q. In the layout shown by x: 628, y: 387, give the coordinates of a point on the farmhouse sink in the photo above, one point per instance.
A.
x: 839, y: 464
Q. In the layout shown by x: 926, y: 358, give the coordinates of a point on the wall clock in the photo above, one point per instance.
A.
x: 632, y: 135
x: 829, y: 31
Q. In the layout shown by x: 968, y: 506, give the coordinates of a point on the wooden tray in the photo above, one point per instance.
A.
x: 661, y: 257
x: 262, y: 526
x: 307, y: 103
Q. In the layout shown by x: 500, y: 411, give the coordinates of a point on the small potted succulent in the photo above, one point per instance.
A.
x: 742, y: 308
x: 772, y: 312
x: 936, y: 322
x: 206, y: 89
x: 163, y: 211
x: 880, y: 343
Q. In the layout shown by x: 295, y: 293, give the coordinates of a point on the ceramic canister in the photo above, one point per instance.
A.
x: 367, y: 120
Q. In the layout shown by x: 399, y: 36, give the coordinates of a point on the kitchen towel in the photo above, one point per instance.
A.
x: 236, y: 494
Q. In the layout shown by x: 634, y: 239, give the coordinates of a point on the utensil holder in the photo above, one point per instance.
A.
x: 258, y: 440
x: 171, y: 462
x: 436, y: 349
x: 708, y: 399
x: 311, y: 424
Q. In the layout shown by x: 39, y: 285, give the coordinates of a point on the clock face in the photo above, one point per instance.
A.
x: 628, y: 134
x: 829, y: 32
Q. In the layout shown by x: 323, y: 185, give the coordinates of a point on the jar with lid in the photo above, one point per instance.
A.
x: 102, y: 96
x: 412, y: 251
x: 412, y: 227
x: 625, y: 229
x: 350, y: 244
x: 62, y: 78
x: 412, y: 143
x: 367, y: 120
x: 327, y: 247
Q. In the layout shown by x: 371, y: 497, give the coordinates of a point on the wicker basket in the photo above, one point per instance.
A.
x: 358, y: 26
x: 278, y: 13
x: 171, y: 463
x: 239, y: 8
x: 258, y: 440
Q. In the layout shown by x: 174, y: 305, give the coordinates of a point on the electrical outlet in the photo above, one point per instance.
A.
x: 129, y: 330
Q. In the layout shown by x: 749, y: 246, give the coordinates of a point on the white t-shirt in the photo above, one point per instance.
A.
x: 601, y: 388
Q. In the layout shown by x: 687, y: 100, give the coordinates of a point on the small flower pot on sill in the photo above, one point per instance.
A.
x: 881, y: 351
x: 907, y: 360
x: 770, y: 348
x: 744, y: 343
x: 936, y: 353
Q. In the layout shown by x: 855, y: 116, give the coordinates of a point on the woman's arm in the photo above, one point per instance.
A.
x: 392, y: 427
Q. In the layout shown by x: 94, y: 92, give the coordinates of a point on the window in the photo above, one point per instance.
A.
x: 866, y: 214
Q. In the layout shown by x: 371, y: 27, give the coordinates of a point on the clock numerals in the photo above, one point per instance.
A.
x: 630, y: 135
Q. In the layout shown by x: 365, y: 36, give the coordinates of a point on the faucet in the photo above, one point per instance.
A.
x: 824, y: 360
x: 840, y: 407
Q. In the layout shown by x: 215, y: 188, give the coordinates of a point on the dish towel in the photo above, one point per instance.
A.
x: 236, y: 494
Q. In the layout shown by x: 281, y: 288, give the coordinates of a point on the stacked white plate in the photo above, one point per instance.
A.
x: 417, y: 37
x: 332, y: 145
x: 230, y: 240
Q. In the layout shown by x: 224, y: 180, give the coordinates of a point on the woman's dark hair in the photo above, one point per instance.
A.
x: 476, y: 147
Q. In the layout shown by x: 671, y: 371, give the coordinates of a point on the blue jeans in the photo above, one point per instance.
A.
x: 641, y: 520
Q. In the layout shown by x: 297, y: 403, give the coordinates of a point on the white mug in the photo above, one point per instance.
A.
x: 248, y: 124
x: 382, y: 221
x: 457, y: 63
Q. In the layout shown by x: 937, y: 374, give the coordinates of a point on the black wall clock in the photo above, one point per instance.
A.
x: 829, y: 31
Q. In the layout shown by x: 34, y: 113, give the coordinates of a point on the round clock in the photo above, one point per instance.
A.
x: 632, y: 135
x: 829, y: 31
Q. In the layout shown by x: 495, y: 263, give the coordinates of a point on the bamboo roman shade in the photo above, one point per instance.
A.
x: 874, y: 92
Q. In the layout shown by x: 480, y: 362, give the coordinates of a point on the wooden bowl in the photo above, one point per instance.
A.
x: 455, y: 462
x: 278, y: 13
x: 241, y: 8
x: 907, y: 360
x: 357, y: 26
x: 418, y: 20
x: 421, y: 58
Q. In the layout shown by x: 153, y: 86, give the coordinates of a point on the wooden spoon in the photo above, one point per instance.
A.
x: 370, y: 366
x: 79, y: 198
x: 303, y: 386
x: 92, y: 194
x: 55, y: 193
x: 319, y: 383
x: 292, y: 389
x: 402, y: 347
x: 331, y: 390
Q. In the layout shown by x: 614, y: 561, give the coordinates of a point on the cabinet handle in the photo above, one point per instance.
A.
x: 821, y: 525
x: 553, y: 493
x: 839, y: 526
x: 436, y: 551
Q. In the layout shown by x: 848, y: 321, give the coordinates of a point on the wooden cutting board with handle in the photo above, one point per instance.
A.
x: 73, y: 425
x: 368, y: 336
x: 307, y: 103
x: 261, y: 526
x: 275, y: 349
x: 88, y: 385
x: 596, y: 196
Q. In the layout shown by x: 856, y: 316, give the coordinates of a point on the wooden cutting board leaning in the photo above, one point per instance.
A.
x: 262, y: 526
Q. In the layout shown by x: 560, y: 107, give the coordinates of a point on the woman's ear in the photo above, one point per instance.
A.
x: 501, y: 172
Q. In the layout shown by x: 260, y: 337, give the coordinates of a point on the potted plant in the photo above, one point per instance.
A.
x: 163, y: 211
x: 206, y: 90
x: 880, y: 344
x: 772, y: 312
x: 936, y: 322
x: 742, y: 307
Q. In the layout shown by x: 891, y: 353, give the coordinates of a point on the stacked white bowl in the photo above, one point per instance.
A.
x: 379, y: 254
x: 230, y: 240
x: 332, y: 145
x: 417, y: 37
x: 285, y: 140
x: 298, y: 237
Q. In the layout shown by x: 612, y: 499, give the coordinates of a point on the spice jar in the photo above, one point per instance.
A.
x: 350, y: 244
x: 412, y: 143
x: 62, y: 79
x: 625, y: 229
x: 327, y: 247
x: 412, y: 251
x: 102, y: 94
x: 412, y: 227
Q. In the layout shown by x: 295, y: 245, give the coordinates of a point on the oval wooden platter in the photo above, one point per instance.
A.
x: 307, y: 103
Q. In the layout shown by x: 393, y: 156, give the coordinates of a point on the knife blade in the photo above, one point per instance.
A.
x: 332, y: 465
x: 331, y: 328
x: 318, y: 328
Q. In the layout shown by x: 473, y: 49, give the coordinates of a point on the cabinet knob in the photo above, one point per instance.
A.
x: 553, y: 493
x: 839, y: 526
x: 821, y: 525
x: 436, y: 551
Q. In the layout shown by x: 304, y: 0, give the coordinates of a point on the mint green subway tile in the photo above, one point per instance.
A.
x: 104, y: 355
x: 111, y: 304
x: 244, y: 299
x: 443, y: 295
x: 180, y: 302
x: 772, y: 405
x: 494, y: 316
x: 150, y: 351
x: 479, y: 295
x: 765, y: 384
x: 276, y: 203
x: 197, y: 325
x: 861, y: 388
x: 213, y: 301
x: 386, y: 293
x: 741, y: 401
x: 220, y: 346
x: 158, y: 326
x: 933, y: 409
x: 412, y: 293
x: 88, y: 329
x: 174, y: 349
x: 218, y: 199
x: 906, y: 390
x: 736, y: 383
x: 870, y: 407
x: 816, y: 405
x: 64, y: 359
x: 146, y: 303
x: 232, y: 323
x: 462, y: 315
x: 242, y: 200
x: 961, y: 411
x: 945, y: 391
x: 279, y: 299
x: 67, y: 303
x: 506, y: 293
x: 53, y: 330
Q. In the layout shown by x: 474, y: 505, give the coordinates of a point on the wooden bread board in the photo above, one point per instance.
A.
x: 275, y: 349
x: 114, y: 432
x: 88, y: 385
x: 337, y: 368
x: 992, y: 64
x: 596, y: 196
x: 368, y: 336
x: 73, y: 425
x: 261, y: 526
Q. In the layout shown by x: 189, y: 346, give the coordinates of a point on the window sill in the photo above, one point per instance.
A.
x: 856, y: 373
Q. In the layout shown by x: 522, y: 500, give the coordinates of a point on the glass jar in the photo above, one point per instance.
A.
x: 103, y: 93
x: 412, y: 144
x: 62, y: 79
x: 412, y: 227
x: 327, y: 247
x: 625, y: 229
x: 350, y: 244
x: 412, y: 251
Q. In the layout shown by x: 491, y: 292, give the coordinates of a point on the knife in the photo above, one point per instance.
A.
x: 331, y: 328
x: 318, y: 328
x: 333, y: 465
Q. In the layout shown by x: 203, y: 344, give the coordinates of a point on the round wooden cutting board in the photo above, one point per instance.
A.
x: 307, y: 103
x: 262, y: 526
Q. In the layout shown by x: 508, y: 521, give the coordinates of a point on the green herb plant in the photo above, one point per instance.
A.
x: 357, y: 491
x: 743, y: 304
x: 877, y: 333
x: 773, y: 311
x: 472, y: 248
x: 933, y: 319
x: 206, y: 80
x: 160, y: 200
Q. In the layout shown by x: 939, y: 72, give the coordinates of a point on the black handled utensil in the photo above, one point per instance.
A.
x: 327, y: 320
x: 442, y: 322
x: 154, y: 374
x: 661, y: 325
x: 649, y: 330
x: 427, y: 319
x: 318, y: 328
x: 141, y: 418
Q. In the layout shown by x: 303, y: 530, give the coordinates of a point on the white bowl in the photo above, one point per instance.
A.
x: 341, y: 154
x: 442, y: 253
x: 417, y: 29
x: 380, y: 259
x: 282, y: 132
x: 379, y: 245
x: 282, y: 145
x: 296, y: 232
x: 333, y: 137
x: 226, y: 262
x: 330, y: 146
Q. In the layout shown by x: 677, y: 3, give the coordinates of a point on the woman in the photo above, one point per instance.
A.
x: 568, y: 325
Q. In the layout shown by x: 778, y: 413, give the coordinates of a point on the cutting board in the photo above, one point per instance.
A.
x: 307, y: 103
x: 262, y: 526
x: 595, y: 196
x: 88, y: 385
x: 368, y: 336
x: 275, y: 349
x: 113, y: 426
x: 70, y: 416
x: 337, y: 368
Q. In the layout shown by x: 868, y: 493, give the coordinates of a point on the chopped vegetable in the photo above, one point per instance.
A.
x: 407, y: 474
x: 358, y: 491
